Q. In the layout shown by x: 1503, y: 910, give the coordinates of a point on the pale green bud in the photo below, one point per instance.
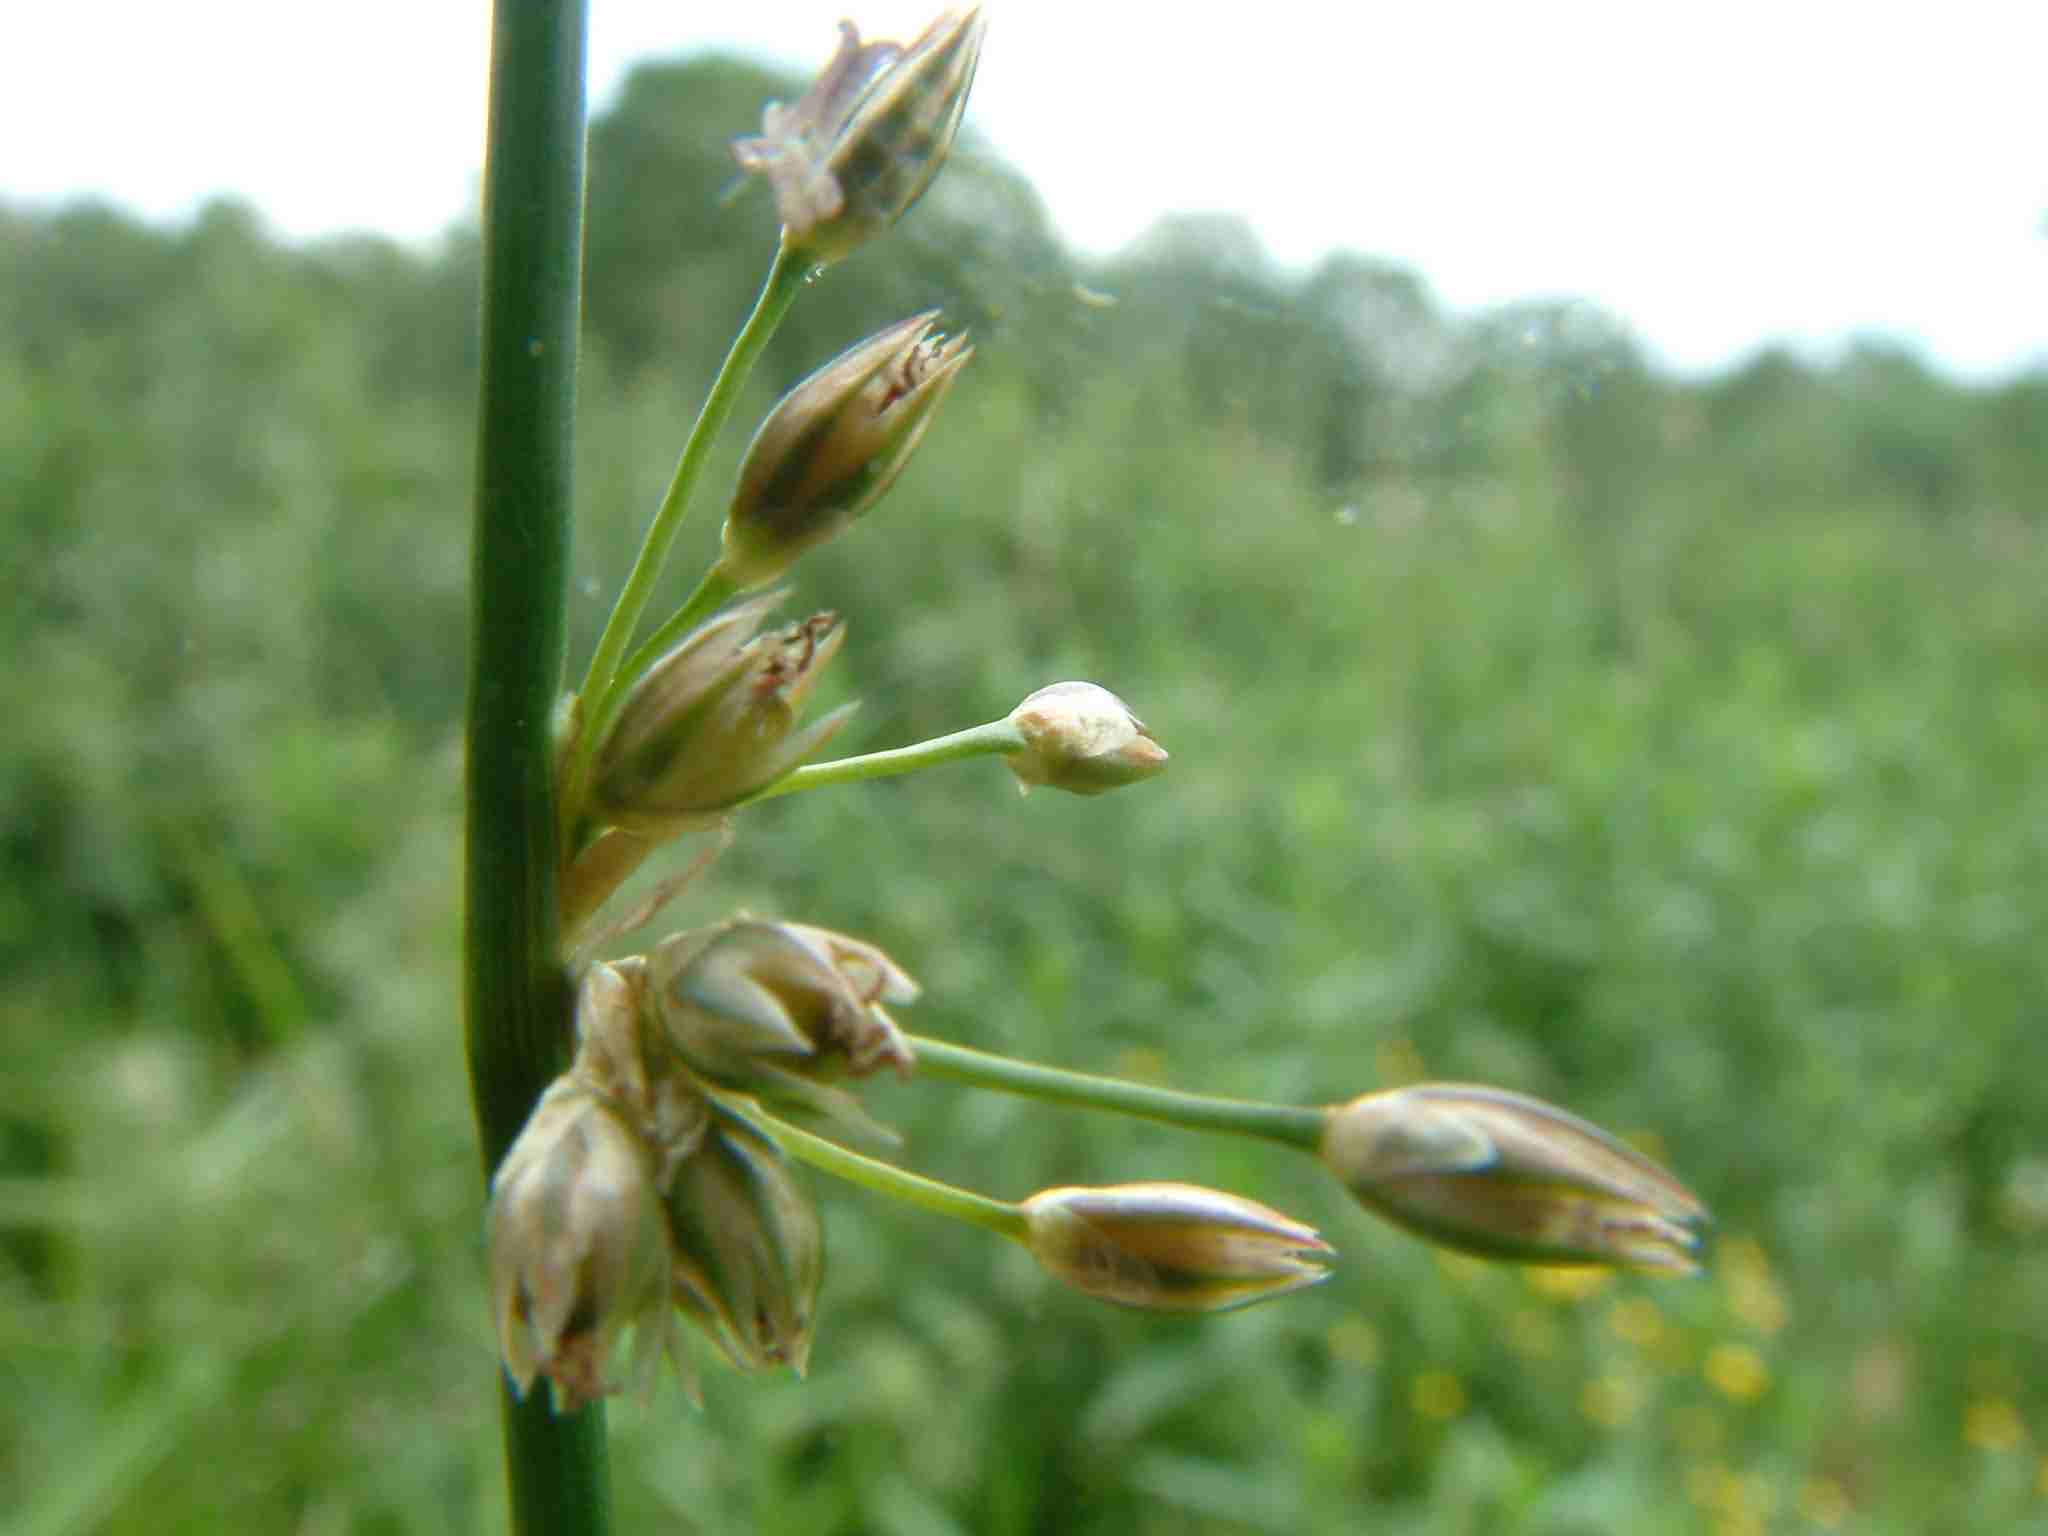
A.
x: 868, y: 137
x: 782, y: 1011
x: 748, y: 1248
x: 1510, y: 1177
x: 577, y: 1250
x: 1083, y: 739
x: 834, y: 445
x: 1170, y: 1247
x: 714, y: 720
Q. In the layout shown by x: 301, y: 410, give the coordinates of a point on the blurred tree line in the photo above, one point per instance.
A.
x: 1667, y: 748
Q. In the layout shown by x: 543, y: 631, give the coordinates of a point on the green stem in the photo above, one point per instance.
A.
x: 998, y: 738
x: 886, y: 1179
x: 606, y: 682
x: 516, y: 1001
x: 1288, y: 1124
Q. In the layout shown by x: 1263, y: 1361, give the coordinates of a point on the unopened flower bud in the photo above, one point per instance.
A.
x: 577, y: 1249
x: 748, y: 1249
x: 1510, y: 1177
x: 1083, y: 739
x: 782, y: 1011
x: 714, y: 720
x: 834, y: 445
x: 868, y: 137
x: 1171, y: 1247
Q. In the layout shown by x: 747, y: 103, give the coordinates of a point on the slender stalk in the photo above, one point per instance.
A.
x: 597, y: 867
x: 607, y: 680
x: 1290, y: 1125
x: 516, y: 1001
x: 712, y: 594
x: 887, y: 1179
x: 997, y: 738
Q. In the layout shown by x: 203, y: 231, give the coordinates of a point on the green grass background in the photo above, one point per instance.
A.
x: 1671, y: 750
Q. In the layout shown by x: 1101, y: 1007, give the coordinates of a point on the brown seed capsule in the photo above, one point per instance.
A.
x: 848, y: 160
x: 1510, y: 1177
x: 714, y: 720
x: 834, y: 445
x: 577, y: 1247
x: 748, y: 1249
x: 1171, y: 1247
x: 782, y: 1011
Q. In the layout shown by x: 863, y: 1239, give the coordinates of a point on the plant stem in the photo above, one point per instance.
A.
x: 516, y: 1002
x: 997, y: 738
x: 887, y: 1179
x: 1290, y: 1125
x: 607, y: 681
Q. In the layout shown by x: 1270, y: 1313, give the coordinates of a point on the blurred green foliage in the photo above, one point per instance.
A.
x: 1670, y: 750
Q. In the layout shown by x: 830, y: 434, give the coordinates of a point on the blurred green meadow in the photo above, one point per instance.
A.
x: 1670, y: 750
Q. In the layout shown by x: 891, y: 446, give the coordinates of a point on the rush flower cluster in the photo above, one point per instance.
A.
x: 644, y: 1190
x: 655, y: 1184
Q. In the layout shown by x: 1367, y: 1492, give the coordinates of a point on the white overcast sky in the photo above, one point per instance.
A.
x: 1717, y: 176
